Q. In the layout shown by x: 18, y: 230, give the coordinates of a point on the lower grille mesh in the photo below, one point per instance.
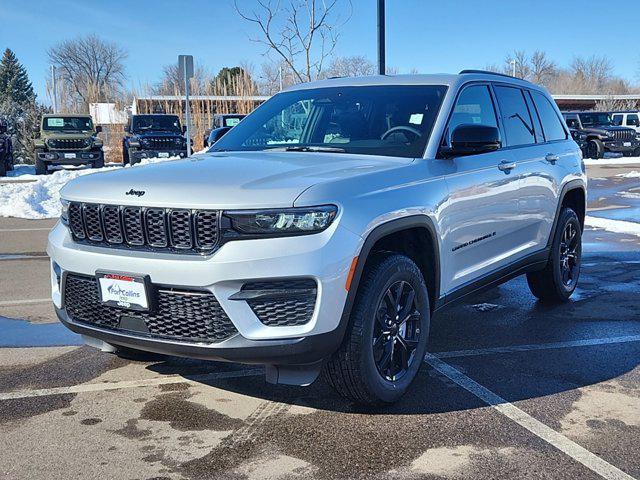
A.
x: 292, y: 304
x: 183, y: 315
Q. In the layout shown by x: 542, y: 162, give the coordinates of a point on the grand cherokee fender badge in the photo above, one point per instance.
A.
x: 475, y: 240
x: 137, y: 193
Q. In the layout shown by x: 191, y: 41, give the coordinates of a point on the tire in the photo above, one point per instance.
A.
x: 125, y: 155
x: 132, y: 159
x: 3, y: 167
x: 98, y: 163
x: 595, y: 149
x: 10, y: 163
x: 41, y: 166
x: 553, y: 284
x: 354, y: 371
x: 636, y: 152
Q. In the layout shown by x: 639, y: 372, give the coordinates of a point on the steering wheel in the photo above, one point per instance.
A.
x: 401, y: 128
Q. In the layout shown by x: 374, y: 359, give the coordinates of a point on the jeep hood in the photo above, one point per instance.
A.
x: 224, y: 180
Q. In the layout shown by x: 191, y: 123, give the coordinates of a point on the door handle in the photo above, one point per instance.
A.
x: 506, y: 166
x: 552, y: 158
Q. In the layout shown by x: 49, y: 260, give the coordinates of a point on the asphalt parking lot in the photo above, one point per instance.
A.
x: 511, y: 388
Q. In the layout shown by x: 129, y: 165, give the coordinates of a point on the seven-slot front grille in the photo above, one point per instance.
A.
x: 177, y: 314
x: 172, y: 230
x: 160, y: 143
x: 625, y: 135
x: 67, y: 143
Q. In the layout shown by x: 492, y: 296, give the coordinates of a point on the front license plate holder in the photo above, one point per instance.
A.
x: 163, y: 155
x: 69, y: 155
x: 626, y: 144
x: 124, y: 290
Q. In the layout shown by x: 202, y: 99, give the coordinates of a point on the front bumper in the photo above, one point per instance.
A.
x: 78, y: 157
x: 325, y: 257
x: 140, y: 154
x: 619, y: 146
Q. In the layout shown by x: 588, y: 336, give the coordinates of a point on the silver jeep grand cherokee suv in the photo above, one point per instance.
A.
x: 324, y: 231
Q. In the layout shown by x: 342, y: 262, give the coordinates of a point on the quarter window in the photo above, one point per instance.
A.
x: 515, y: 116
x: 474, y: 106
x: 551, y: 124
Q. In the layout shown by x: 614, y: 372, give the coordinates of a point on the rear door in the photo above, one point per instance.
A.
x: 482, y: 209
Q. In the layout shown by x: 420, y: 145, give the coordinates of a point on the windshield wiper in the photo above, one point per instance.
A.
x: 307, y: 148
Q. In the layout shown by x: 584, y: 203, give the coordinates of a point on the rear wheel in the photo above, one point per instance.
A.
x: 595, y: 149
x: 559, y: 279
x: 387, y: 334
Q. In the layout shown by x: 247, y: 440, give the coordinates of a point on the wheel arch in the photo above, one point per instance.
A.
x: 574, y: 195
x: 403, y: 235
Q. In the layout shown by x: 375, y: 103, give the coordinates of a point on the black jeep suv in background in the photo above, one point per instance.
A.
x: 601, y: 135
x: 153, y: 136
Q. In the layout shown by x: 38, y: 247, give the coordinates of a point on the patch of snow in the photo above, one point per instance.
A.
x: 615, y: 226
x: 23, y: 194
x: 632, y: 174
x: 612, y: 161
x: 630, y: 195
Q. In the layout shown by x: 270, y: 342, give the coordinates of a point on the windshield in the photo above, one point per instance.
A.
x: 165, y: 123
x: 67, y: 124
x: 375, y: 120
x: 591, y: 119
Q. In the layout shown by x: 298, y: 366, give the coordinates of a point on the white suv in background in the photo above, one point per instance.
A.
x: 630, y: 119
x: 323, y: 232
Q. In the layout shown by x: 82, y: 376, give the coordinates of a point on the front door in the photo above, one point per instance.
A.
x: 480, y: 216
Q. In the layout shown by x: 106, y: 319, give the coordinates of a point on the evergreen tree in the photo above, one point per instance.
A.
x: 15, y: 86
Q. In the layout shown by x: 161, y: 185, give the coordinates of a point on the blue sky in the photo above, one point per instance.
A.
x: 431, y: 36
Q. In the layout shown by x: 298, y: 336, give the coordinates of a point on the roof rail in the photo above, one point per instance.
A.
x: 487, y: 72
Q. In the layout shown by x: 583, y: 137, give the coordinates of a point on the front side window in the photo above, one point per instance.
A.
x: 474, y: 106
x: 551, y: 123
x: 67, y: 124
x: 632, y: 120
x: 372, y: 120
x: 617, y: 119
x: 515, y: 116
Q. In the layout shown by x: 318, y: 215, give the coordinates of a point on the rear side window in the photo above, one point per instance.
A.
x: 515, y: 116
x: 551, y: 123
x: 632, y: 120
x: 474, y: 106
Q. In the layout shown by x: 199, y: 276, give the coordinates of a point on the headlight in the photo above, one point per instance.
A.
x: 610, y: 134
x: 64, y: 214
x: 289, y: 221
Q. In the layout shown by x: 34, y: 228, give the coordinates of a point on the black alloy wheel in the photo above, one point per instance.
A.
x: 569, y: 255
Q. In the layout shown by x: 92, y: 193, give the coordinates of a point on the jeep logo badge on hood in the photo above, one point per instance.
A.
x: 137, y: 193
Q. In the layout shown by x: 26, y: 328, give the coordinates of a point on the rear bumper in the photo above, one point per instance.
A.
x: 81, y: 157
x: 291, y: 351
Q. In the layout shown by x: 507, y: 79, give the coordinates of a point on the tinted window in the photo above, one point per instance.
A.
x: 617, y: 119
x: 515, y: 116
x: 474, y: 106
x: 632, y: 120
x: 536, y: 118
x: 595, y: 119
x: 161, y: 123
x: 375, y: 120
x: 551, y: 123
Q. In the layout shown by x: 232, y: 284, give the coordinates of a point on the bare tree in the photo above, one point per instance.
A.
x: 303, y: 33
x: 172, y: 80
x: 610, y: 104
x: 355, y: 66
x: 90, y: 69
x: 522, y: 67
x: 543, y: 70
x: 592, y: 74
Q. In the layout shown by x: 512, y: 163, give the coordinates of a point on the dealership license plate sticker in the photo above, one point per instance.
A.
x: 163, y: 155
x: 69, y: 155
x: 123, y: 291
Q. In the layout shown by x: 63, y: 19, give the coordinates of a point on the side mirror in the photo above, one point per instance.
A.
x: 184, y: 129
x: 98, y: 128
x: 471, y: 139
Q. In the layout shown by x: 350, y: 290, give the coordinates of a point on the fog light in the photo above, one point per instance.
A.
x: 50, y: 156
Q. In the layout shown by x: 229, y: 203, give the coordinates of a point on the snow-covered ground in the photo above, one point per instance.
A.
x: 614, y: 226
x: 612, y: 161
x: 23, y: 194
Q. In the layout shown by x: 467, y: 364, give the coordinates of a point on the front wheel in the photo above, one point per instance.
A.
x: 132, y: 158
x: 559, y: 279
x: 99, y: 163
x: 387, y: 334
x: 3, y: 166
x: 595, y: 149
x: 41, y: 166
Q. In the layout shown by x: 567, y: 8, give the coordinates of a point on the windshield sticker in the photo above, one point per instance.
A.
x: 232, y: 122
x: 416, y: 118
x: 55, y: 122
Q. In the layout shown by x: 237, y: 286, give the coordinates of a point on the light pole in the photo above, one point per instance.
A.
x: 382, y: 69
x: 513, y: 67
